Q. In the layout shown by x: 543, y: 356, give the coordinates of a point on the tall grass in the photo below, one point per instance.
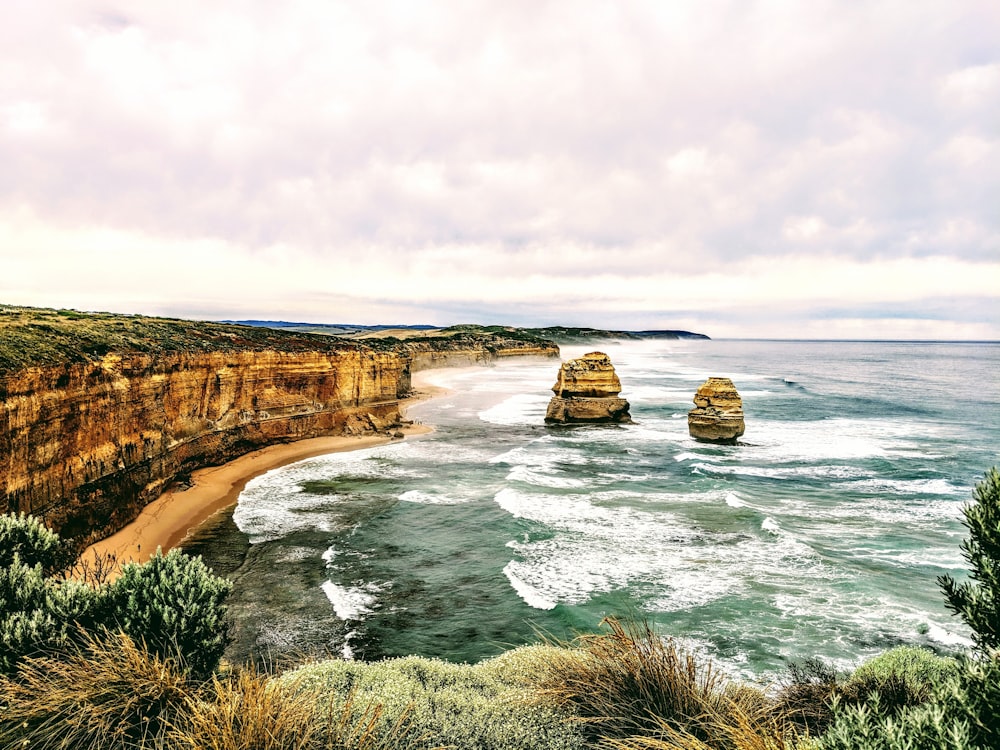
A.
x: 248, y: 709
x: 108, y: 692
x: 630, y: 682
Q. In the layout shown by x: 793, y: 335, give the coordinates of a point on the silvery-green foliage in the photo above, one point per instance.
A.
x: 37, y: 612
x: 33, y: 543
x: 867, y: 727
x: 488, y: 706
x: 176, y: 606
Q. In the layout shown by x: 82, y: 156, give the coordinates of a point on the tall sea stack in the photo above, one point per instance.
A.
x: 718, y: 413
x: 587, y: 392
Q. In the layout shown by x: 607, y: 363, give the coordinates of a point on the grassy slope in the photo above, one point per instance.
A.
x: 34, y: 337
x: 37, y: 337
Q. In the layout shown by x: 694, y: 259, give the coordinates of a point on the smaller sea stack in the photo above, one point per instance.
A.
x: 587, y: 392
x: 718, y: 413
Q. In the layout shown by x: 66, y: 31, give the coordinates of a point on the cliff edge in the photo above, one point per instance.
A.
x: 100, y: 412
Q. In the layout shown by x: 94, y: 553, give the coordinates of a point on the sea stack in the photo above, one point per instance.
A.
x: 718, y: 413
x: 587, y: 392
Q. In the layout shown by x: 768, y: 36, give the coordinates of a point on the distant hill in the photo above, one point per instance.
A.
x: 559, y: 334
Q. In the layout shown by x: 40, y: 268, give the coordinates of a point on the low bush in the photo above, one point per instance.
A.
x: 31, y: 541
x: 487, y: 706
x: 37, y: 613
x: 176, y: 605
x: 804, y: 698
x: 902, y: 676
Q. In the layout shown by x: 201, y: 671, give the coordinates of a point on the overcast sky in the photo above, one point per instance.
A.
x: 743, y: 169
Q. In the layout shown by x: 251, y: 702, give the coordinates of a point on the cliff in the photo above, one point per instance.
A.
x: 586, y: 390
x: 99, y: 412
x: 465, y: 349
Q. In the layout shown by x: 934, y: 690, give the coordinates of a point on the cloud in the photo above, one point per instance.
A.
x: 450, y: 153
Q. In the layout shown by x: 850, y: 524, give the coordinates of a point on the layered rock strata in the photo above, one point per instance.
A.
x: 587, y: 390
x: 718, y: 413
x: 462, y: 351
x: 87, y: 444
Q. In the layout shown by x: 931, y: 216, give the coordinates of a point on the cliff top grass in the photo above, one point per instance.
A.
x: 38, y: 337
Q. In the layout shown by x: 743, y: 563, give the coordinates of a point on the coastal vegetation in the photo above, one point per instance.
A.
x: 39, y: 337
x: 133, y: 663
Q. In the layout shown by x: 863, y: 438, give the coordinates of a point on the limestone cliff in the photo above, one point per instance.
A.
x: 464, y: 351
x: 587, y: 390
x: 99, y: 412
x: 718, y: 413
x: 87, y: 445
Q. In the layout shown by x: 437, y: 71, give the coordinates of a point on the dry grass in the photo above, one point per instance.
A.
x: 734, y: 727
x: 630, y: 681
x: 113, y: 694
x: 637, y: 691
x: 106, y: 694
x: 252, y: 710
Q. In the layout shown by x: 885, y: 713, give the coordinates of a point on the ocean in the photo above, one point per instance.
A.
x: 822, y: 535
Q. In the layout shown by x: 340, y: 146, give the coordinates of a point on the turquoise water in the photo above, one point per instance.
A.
x: 821, y: 536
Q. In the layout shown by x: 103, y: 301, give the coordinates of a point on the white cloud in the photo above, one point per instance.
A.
x: 655, y: 158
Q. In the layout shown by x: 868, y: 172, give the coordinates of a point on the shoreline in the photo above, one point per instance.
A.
x: 166, y: 521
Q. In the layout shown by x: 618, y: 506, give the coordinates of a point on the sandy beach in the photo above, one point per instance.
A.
x: 167, y: 520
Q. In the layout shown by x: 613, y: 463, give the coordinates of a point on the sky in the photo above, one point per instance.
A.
x: 823, y: 169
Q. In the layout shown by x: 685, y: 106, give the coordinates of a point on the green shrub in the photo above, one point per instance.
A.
x: 176, y: 606
x: 34, y: 543
x: 485, y: 706
x: 902, y: 676
x: 867, y: 727
x: 977, y: 600
x: 37, y: 613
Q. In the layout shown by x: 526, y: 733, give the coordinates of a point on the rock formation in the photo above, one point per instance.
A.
x: 587, y: 391
x: 718, y: 413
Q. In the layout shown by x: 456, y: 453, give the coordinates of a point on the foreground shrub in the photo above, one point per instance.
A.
x: 106, y: 694
x: 30, y: 540
x: 176, y: 605
x: 977, y: 600
x: 806, y: 696
x: 902, y: 676
x: 37, y: 613
x: 484, y: 706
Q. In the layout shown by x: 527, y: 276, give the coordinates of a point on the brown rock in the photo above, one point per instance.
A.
x: 718, y: 413
x: 586, y: 390
x: 87, y: 445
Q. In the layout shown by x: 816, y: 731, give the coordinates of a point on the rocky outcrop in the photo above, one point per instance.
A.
x: 718, y: 413
x: 87, y: 444
x: 587, y: 391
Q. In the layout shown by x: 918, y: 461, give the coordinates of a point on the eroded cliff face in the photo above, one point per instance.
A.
x: 87, y: 445
x: 462, y: 352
